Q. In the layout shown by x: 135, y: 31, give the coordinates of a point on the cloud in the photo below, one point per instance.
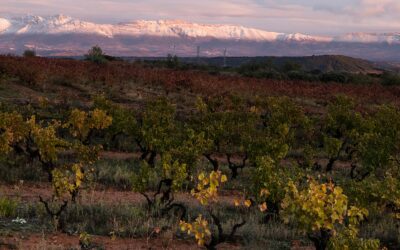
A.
x: 374, y: 8
x: 363, y: 8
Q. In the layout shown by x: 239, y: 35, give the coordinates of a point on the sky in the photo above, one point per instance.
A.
x: 314, y: 17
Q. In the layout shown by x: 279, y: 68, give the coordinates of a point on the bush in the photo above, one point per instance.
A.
x: 334, y: 77
x: 361, y: 79
x: 8, y: 207
x: 96, y: 55
x: 390, y: 79
x: 291, y: 66
x: 301, y: 75
x: 29, y: 53
x: 29, y: 75
x: 172, y: 61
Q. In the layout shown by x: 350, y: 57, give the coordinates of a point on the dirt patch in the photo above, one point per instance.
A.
x: 118, y: 155
x: 64, y: 241
x: 30, y: 192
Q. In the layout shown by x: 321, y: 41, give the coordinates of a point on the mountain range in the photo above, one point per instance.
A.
x: 62, y: 35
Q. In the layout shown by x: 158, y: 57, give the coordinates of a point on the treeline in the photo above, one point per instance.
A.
x: 286, y: 71
x: 293, y: 71
x: 115, y: 78
x: 320, y: 173
x: 289, y: 70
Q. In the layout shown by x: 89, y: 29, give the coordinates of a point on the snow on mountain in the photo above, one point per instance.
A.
x: 63, y: 35
x: 52, y: 25
x: 302, y: 37
x: 185, y: 29
x: 4, y: 24
x: 360, y: 37
x: 61, y: 24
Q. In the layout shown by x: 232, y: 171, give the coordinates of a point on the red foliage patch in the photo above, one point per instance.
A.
x: 35, y: 71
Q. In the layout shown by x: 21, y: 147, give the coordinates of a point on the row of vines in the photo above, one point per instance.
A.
x: 322, y: 174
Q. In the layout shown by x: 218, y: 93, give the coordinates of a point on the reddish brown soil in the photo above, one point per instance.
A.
x: 30, y: 192
x: 63, y: 241
x: 118, y: 155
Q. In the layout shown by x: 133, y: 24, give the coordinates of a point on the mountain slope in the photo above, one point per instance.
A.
x: 61, y: 24
x: 66, y: 36
x: 390, y: 38
x: 328, y: 63
x: 323, y: 63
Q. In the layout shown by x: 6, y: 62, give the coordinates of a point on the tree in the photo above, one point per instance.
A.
x: 124, y: 123
x: 156, y: 130
x: 321, y: 210
x: 29, y: 53
x: 340, y: 130
x: 170, y: 176
x: 66, y: 182
x: 82, y: 125
x: 96, y: 55
x: 390, y: 79
x: 172, y: 61
x: 380, y: 194
x: 378, y: 149
x: 280, y: 122
x: 188, y: 146
x: 291, y: 66
x: 33, y: 140
x: 268, y: 176
x: 206, y: 192
x: 42, y: 142
x: 230, y: 132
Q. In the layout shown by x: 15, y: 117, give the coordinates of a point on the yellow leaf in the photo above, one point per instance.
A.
x: 263, y: 207
x: 264, y: 192
x: 224, y: 178
x: 201, y: 176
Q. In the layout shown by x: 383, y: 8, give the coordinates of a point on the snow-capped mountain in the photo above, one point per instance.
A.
x: 390, y: 38
x: 61, y: 24
x: 50, y: 25
x: 64, y: 35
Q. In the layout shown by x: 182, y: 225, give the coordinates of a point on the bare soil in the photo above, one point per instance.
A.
x: 64, y: 241
x: 30, y: 192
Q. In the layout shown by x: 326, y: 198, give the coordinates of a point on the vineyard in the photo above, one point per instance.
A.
x: 129, y: 155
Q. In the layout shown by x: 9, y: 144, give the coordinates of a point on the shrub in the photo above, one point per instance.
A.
x: 172, y: 61
x: 322, y: 211
x: 291, y: 66
x: 8, y: 207
x: 29, y: 53
x: 334, y: 77
x: 30, y: 76
x: 301, y: 75
x: 96, y: 55
x: 390, y: 79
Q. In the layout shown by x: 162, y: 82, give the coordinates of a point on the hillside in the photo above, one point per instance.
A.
x: 327, y: 63
x: 61, y: 35
x: 61, y: 24
x: 24, y: 80
x: 324, y: 63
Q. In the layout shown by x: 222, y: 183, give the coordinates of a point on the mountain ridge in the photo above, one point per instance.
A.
x: 61, y: 35
x: 61, y: 24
